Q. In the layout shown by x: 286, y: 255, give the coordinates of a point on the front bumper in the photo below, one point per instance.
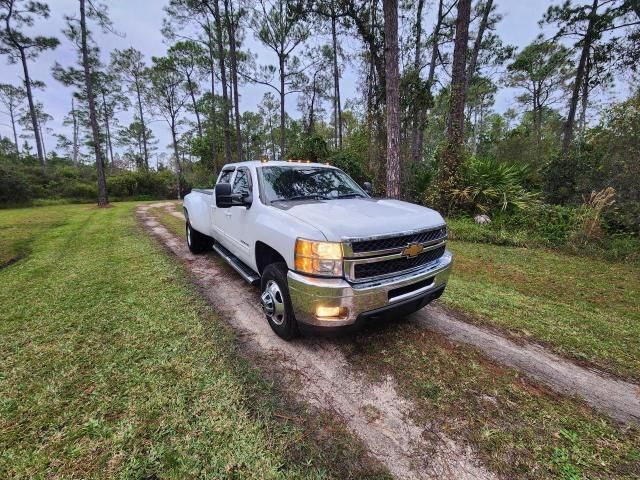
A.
x: 358, y: 300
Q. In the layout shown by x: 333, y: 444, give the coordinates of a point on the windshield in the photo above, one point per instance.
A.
x: 300, y: 183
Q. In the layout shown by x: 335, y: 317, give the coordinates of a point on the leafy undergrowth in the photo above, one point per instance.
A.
x: 581, y: 307
x: 114, y: 366
x: 547, y: 226
x: 518, y: 430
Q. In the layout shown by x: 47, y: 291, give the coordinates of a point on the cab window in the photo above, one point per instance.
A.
x: 225, y: 176
x: 242, y: 182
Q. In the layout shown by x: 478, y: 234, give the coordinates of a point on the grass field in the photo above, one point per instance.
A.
x: 586, y: 308
x: 114, y: 367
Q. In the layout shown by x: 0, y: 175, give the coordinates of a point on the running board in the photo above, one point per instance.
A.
x: 245, y: 272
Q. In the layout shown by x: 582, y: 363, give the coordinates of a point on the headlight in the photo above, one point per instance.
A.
x: 318, y: 258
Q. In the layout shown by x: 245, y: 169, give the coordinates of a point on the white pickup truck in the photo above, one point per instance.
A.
x: 324, y: 252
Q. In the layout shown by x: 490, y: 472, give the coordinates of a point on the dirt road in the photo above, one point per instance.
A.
x: 617, y: 398
x: 323, y: 377
x: 377, y: 413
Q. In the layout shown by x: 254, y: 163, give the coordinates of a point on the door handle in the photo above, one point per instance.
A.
x: 227, y: 214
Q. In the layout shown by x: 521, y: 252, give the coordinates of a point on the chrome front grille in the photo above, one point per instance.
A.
x: 373, y: 245
x: 379, y: 257
x: 387, y: 267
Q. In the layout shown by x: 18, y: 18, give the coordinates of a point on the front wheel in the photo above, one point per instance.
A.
x: 276, y: 302
x: 196, y: 241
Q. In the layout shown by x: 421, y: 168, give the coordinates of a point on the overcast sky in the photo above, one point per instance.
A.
x: 138, y: 23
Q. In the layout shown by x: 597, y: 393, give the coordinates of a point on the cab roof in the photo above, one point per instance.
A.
x: 277, y: 163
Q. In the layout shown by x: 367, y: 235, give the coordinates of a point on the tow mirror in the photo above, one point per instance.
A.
x: 366, y: 186
x: 223, y: 195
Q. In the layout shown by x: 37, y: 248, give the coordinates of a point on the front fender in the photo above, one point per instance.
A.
x: 280, y: 230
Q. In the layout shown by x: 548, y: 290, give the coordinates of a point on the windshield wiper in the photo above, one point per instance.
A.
x: 302, y: 197
x: 351, y: 195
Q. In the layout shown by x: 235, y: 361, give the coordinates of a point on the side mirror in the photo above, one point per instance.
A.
x: 223, y: 195
x: 366, y: 186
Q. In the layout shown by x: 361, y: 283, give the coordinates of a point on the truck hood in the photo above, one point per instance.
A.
x: 361, y: 217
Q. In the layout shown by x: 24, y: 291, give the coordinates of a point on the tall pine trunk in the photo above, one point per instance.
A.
x: 416, y: 123
x: 103, y: 199
x: 143, y: 125
x: 32, y: 109
x: 107, y: 131
x: 567, y: 131
x: 212, y: 113
x: 192, y: 95
x: 418, y: 137
x: 282, y: 100
x: 76, y: 147
x: 477, y: 44
x: 176, y: 153
x: 13, y: 127
x: 455, y: 124
x: 228, y: 10
x: 223, y: 80
x: 337, y: 105
x: 44, y: 150
x: 451, y: 159
x: 392, y: 90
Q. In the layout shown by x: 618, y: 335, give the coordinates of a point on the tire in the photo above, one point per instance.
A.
x: 196, y: 241
x: 276, y: 301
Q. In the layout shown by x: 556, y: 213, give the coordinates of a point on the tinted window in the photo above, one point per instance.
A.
x: 242, y: 182
x: 225, y: 176
x: 297, y: 183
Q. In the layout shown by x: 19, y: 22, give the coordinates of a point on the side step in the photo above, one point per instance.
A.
x: 245, y: 272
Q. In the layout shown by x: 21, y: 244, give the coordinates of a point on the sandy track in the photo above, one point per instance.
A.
x: 376, y: 413
x: 619, y: 399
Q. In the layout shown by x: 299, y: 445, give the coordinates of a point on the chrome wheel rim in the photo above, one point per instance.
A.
x: 272, y: 303
x: 189, y: 234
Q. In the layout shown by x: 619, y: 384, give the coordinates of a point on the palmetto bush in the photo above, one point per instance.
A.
x: 490, y: 186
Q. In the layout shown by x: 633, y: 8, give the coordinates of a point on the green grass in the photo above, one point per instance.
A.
x: 586, y: 308
x: 20, y: 228
x: 517, y: 429
x: 114, y: 367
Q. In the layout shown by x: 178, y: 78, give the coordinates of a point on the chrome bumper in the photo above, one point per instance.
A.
x: 309, y: 293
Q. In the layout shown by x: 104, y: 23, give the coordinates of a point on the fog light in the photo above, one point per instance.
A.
x: 331, y: 312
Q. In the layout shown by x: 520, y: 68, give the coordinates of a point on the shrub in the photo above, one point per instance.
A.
x: 491, y: 185
x: 591, y: 225
x: 160, y: 184
x: 313, y: 148
x: 78, y: 189
x: 544, y: 225
x: 350, y: 164
x: 550, y: 225
x: 14, y: 186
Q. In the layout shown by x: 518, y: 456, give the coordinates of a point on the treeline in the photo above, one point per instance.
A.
x: 422, y: 127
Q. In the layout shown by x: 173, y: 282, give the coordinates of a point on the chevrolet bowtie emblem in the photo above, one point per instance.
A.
x: 412, y: 250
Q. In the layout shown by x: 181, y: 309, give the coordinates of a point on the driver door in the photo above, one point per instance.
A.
x: 219, y: 216
x: 239, y: 217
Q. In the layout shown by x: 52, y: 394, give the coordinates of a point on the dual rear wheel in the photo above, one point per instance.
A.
x: 196, y: 241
